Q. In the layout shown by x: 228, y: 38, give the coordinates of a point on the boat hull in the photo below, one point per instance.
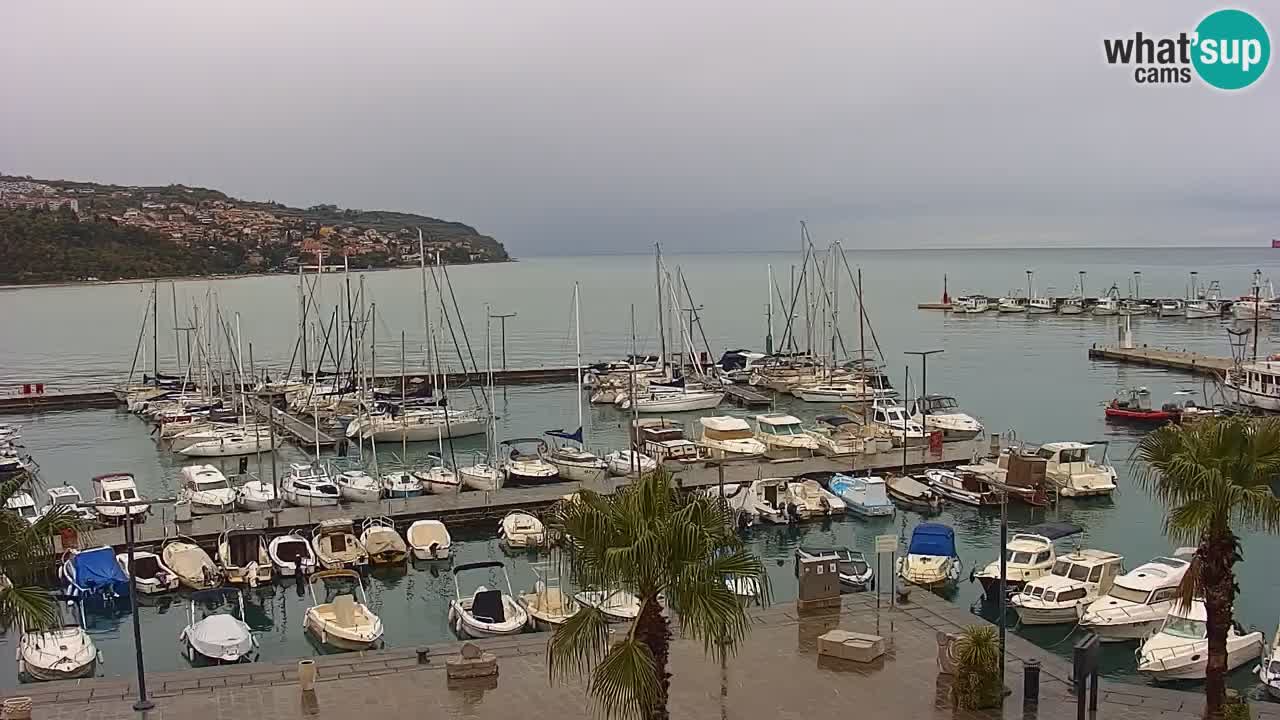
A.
x: 580, y: 472
x: 1124, y: 632
x: 1047, y: 616
x: 483, y: 480
x: 361, y: 495
x: 39, y: 674
x: 328, y: 639
x: 299, y: 500
x: 679, y: 403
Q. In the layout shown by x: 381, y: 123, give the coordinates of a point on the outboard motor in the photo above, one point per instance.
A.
x: 244, y: 465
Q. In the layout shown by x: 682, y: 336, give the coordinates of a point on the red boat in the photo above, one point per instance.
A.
x: 1134, y: 405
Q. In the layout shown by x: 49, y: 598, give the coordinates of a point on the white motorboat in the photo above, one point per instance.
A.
x: 292, y: 555
x: 429, y: 540
x: 832, y: 392
x: 486, y: 612
x: 256, y: 495
x: 966, y: 488
x: 629, y: 463
x: 336, y: 546
x: 1269, y: 670
x: 576, y: 464
x: 910, y: 494
x: 670, y: 401
x: 382, y: 542
x: 894, y: 420
x: 118, y: 487
x: 218, y: 636
x: 767, y: 499
x: 480, y: 474
x: 401, y: 484
x: 724, y: 437
x: 663, y: 440
x: 783, y: 436
x: 149, y: 573
x: 971, y: 305
x: 243, y: 557
x: 206, y: 490
x: 1075, y: 581
x: 309, y: 486
x: 1138, y: 601
x: 617, y: 606
x: 548, y: 605
x: 1075, y: 474
x: 931, y: 560
x: 345, y: 622
x: 418, y: 425
x: 62, y: 653
x: 520, y: 531
x: 1248, y: 308
x: 356, y: 485
x: 1029, y: 556
x: 524, y: 464
x: 1010, y: 305
x: 866, y: 496
x: 840, y: 436
x: 1171, y: 308
x: 855, y: 572
x: 1180, y: 650
x: 942, y: 412
x: 193, y: 566
x: 811, y: 500
x: 23, y: 505
x: 438, y: 478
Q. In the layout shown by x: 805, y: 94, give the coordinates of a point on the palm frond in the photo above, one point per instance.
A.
x: 626, y: 683
x: 27, y: 607
x: 578, y: 645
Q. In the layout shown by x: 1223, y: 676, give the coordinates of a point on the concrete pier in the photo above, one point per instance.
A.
x: 1180, y: 360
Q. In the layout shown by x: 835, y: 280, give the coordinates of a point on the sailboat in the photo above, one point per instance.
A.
x: 576, y: 464
x: 481, y: 473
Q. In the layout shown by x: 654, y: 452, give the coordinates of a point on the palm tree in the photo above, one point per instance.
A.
x: 26, y: 552
x: 1214, y: 478
x: 667, y: 549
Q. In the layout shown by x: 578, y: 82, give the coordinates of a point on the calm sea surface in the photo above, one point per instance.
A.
x: 1025, y: 373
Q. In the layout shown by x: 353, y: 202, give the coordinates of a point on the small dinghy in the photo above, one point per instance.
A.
x: 855, y: 573
x: 244, y: 557
x: 193, y: 566
x: 618, y: 606
x: 866, y: 496
x: 486, y: 612
x: 547, y: 604
x: 345, y: 622
x: 63, y: 653
x: 381, y: 541
x: 292, y: 555
x: 910, y: 494
x: 218, y: 636
x: 521, y: 531
x: 149, y: 573
x: 94, y: 576
x: 256, y: 495
x: 336, y: 546
x: 1180, y: 650
x: 358, y: 486
x: 429, y: 540
x: 628, y: 463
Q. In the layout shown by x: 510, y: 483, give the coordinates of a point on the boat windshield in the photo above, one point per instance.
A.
x: 1181, y: 627
x: 1079, y: 572
x: 1017, y: 557
x: 211, y: 483
x: 943, y: 403
x: 1061, y: 567
x: 1132, y: 595
x: 793, y: 429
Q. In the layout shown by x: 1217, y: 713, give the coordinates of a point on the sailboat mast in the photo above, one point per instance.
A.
x: 577, y: 342
x: 155, y: 330
x: 373, y: 384
x: 662, y: 333
x: 177, y: 342
x: 426, y: 314
x: 768, y: 313
x: 635, y: 412
x: 244, y: 411
x: 302, y: 317
x: 404, y: 432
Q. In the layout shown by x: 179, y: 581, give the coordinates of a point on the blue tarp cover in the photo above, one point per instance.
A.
x: 97, y: 569
x: 933, y: 539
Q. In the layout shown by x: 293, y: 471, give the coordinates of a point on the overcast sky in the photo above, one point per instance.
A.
x: 580, y: 125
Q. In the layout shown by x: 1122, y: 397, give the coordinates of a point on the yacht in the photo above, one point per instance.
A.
x: 1180, y: 650
x: 629, y: 463
x: 1075, y: 581
x: 1269, y: 670
x: 256, y: 495
x: 1255, y: 385
x: 1074, y: 473
x: 893, y: 418
x: 672, y: 400
x: 479, y: 473
x: 944, y: 413
x: 725, y: 437
x: 525, y: 463
x: 1029, y: 556
x: 783, y: 436
x: 118, y: 487
x: 309, y: 486
x: 1138, y: 601
x: 962, y: 487
x: 839, y: 436
x: 206, y: 490
x: 230, y: 442
x: 931, y: 560
x: 356, y: 485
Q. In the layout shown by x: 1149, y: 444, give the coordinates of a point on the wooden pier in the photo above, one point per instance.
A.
x: 57, y: 401
x: 302, y: 432
x: 1180, y: 360
x: 745, y: 397
x: 473, y: 507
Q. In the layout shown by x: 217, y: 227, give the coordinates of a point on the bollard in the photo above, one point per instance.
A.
x: 1031, y: 682
x: 424, y: 656
x: 307, y: 675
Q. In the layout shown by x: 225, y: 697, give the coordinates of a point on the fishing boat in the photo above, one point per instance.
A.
x: 356, y: 485
x: 243, y: 557
x: 942, y: 412
x: 1134, y: 405
x: 118, y: 487
x: 94, y: 576
x: 866, y: 496
x: 256, y: 495
x: 725, y: 437
x: 1171, y: 308
x: 617, y: 605
x: 521, y: 531
x: 629, y: 463
x: 547, y: 604
x: 1041, y: 306
x: 1138, y: 601
x: 292, y: 555
x: 206, y: 490
x: 838, y: 436
x: 1107, y: 305
x: 1269, y: 670
x: 1255, y: 384
x: 893, y: 419
x: 380, y: 540
x: 1029, y: 555
x: 485, y: 612
x: 784, y: 437
x: 438, y: 478
x: 64, y: 652
x: 910, y: 494
x: 1074, y: 472
x: 1180, y: 649
x: 1073, y: 305
x: 429, y: 540
x: 855, y: 573
x: 1075, y: 581
x: 1133, y: 307
x: 401, y: 484
x: 149, y: 574
x: 336, y: 546
x: 1010, y: 305
x: 931, y: 560
x: 218, y: 636
x: 345, y: 622
x: 193, y: 566
x: 524, y: 464
x: 971, y: 305
x: 307, y: 485
x: 964, y: 488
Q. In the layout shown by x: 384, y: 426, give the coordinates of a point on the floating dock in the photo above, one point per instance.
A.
x: 934, y: 306
x: 1180, y: 360
x: 57, y: 401
x: 745, y: 397
x: 301, y: 431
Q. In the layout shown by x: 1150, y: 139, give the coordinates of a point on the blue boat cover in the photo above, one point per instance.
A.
x: 933, y: 539
x: 96, y: 570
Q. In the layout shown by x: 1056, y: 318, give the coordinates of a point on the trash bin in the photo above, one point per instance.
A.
x: 182, y: 512
x: 1031, y: 681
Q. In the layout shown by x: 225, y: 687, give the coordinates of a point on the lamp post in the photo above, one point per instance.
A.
x: 143, y: 702
x: 502, y: 319
x: 924, y: 386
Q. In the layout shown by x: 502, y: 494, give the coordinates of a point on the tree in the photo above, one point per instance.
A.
x: 668, y: 550
x: 26, y: 552
x: 1214, y: 478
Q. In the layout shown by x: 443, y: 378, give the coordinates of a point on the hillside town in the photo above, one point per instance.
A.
x: 273, y: 237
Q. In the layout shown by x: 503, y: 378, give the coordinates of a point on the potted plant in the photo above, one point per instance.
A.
x: 977, y: 679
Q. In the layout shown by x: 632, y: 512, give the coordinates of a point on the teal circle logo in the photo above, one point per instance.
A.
x: 1232, y: 49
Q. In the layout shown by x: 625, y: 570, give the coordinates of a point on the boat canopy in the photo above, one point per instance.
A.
x: 97, y: 570
x: 834, y: 420
x: 1054, y: 530
x: 477, y: 566
x: 933, y: 539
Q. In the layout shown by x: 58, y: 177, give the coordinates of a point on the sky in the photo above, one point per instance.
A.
x: 581, y: 126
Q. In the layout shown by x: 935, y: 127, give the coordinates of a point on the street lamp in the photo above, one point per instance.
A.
x: 502, y: 318
x: 924, y: 385
x: 143, y: 702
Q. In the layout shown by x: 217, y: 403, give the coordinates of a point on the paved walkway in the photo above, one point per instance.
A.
x: 776, y: 675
